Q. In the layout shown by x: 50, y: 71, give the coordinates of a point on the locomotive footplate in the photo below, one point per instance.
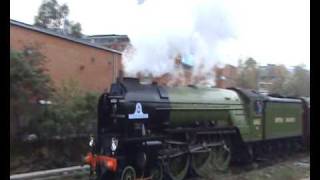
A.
x: 143, y: 139
x: 211, y: 130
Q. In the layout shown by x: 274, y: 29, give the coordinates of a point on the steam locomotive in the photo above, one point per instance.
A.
x: 155, y: 132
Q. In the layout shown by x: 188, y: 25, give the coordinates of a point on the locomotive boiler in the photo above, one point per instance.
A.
x: 156, y: 132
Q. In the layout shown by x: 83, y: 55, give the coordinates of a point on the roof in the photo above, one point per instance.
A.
x: 307, y: 100
x: 249, y: 94
x: 201, y: 94
x: 253, y: 95
x: 289, y: 100
x: 107, y: 35
x: 52, y: 33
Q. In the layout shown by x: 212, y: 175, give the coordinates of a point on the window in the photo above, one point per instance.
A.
x: 258, y: 107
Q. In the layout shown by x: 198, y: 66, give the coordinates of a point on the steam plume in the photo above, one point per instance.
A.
x: 193, y: 31
x: 210, y: 32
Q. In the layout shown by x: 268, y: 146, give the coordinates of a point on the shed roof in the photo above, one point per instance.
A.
x: 68, y: 38
x: 107, y: 36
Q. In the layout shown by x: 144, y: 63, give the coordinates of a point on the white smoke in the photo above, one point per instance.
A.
x: 163, y: 29
x: 270, y: 31
x: 214, y: 32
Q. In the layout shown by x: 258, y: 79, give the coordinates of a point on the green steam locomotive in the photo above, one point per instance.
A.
x: 154, y: 132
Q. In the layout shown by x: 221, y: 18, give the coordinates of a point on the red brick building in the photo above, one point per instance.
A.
x: 223, y: 77
x: 93, y: 67
x: 226, y: 76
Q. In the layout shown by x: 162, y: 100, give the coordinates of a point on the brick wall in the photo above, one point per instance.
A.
x: 94, y: 69
x: 226, y: 76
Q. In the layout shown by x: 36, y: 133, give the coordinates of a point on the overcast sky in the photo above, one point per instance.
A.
x: 271, y: 31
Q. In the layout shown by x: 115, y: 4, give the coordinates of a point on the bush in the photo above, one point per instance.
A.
x: 28, y: 81
x: 72, y: 113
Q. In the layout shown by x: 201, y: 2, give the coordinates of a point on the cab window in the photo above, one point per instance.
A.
x: 258, y: 107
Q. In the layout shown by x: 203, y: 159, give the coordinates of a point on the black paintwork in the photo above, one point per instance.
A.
x: 126, y: 93
x: 151, y: 97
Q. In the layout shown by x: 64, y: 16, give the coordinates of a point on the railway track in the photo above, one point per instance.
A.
x: 262, y: 165
x: 82, y: 172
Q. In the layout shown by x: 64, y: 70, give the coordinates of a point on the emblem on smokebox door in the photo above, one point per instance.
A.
x: 138, y: 113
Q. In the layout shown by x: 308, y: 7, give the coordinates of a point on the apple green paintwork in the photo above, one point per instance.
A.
x: 283, y: 120
x: 226, y: 107
x: 189, y: 104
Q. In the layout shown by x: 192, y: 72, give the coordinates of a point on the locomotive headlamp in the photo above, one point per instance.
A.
x: 91, y: 142
x: 114, y: 144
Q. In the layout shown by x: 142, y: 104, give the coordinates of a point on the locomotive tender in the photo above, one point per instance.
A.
x: 155, y: 132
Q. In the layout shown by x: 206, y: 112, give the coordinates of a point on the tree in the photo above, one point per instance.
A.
x: 282, y: 75
x: 28, y: 82
x: 76, y: 30
x: 53, y: 16
x: 250, y: 63
x: 248, y: 74
x: 299, y: 83
x: 72, y: 111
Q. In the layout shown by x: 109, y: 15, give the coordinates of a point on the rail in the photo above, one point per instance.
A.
x: 51, y: 174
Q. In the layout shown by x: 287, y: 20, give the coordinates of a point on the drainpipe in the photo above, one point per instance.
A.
x: 113, y: 68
